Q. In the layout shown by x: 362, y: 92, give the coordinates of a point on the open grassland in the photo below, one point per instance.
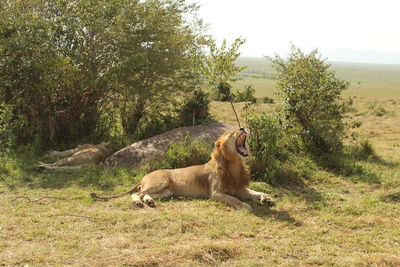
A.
x: 354, y: 72
x: 324, y: 218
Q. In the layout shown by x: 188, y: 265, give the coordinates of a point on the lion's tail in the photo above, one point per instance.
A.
x: 135, y: 188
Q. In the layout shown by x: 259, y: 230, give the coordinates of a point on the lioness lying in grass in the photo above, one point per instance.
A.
x: 224, y: 178
x: 78, y: 157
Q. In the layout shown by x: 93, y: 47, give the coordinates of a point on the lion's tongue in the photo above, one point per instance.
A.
x: 242, y: 150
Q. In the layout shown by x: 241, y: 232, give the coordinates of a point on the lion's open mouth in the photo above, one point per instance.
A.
x: 241, y: 145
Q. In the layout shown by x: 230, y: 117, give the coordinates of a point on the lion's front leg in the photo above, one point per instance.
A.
x: 230, y: 200
x: 256, y: 196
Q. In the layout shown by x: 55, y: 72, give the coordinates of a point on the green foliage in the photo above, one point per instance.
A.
x: 268, y: 100
x: 219, y: 68
x: 223, y: 92
x: 195, y: 109
x: 155, y: 123
x: 47, y: 73
x: 245, y: 95
x: 7, y: 128
x: 269, y: 146
x: 183, y: 154
x: 155, y: 58
x: 311, y: 99
x: 188, y: 153
x: 72, y: 70
x: 280, y: 156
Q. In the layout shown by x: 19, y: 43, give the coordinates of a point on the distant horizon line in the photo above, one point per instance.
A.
x: 375, y: 57
x: 335, y: 61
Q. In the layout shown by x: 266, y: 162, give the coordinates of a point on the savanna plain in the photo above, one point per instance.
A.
x: 324, y: 218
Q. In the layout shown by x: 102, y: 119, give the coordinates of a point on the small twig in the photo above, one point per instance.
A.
x: 71, y: 215
x: 36, y: 200
x: 234, y: 111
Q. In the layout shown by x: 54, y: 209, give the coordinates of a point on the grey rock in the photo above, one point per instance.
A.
x: 157, y: 145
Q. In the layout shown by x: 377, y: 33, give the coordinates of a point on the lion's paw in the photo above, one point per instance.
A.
x: 267, y: 200
x: 150, y: 202
x: 246, y: 206
x: 138, y: 204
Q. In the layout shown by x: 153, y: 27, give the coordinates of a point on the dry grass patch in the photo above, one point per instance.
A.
x: 338, y: 228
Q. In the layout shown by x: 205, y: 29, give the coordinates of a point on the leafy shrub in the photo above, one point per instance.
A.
x: 311, y: 99
x: 277, y: 152
x: 188, y: 153
x: 268, y: 100
x: 266, y: 145
x: 183, y: 154
x: 245, y: 95
x: 155, y: 123
x: 195, y: 109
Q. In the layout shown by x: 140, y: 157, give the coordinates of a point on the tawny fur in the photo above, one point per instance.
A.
x: 78, y: 157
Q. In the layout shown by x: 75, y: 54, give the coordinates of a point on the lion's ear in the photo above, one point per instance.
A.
x: 218, y: 144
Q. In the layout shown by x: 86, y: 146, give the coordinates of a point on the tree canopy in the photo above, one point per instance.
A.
x: 71, y: 69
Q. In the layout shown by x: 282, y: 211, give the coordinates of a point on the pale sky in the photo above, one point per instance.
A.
x: 269, y: 26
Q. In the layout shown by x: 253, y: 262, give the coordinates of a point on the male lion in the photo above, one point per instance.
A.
x: 76, y: 158
x: 224, y: 178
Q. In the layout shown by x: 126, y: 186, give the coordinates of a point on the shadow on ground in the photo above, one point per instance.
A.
x: 91, y: 176
x: 280, y: 215
x: 351, y: 168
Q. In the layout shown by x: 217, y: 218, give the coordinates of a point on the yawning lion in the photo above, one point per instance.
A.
x: 224, y: 178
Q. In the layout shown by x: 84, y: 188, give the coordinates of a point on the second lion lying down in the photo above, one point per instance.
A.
x: 224, y: 178
x: 76, y: 158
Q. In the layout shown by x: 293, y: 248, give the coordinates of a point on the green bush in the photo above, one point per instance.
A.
x: 268, y: 100
x: 182, y: 154
x: 266, y: 143
x: 155, y: 123
x: 277, y: 152
x: 195, y: 109
x: 188, y: 153
x: 311, y: 95
x: 245, y: 95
